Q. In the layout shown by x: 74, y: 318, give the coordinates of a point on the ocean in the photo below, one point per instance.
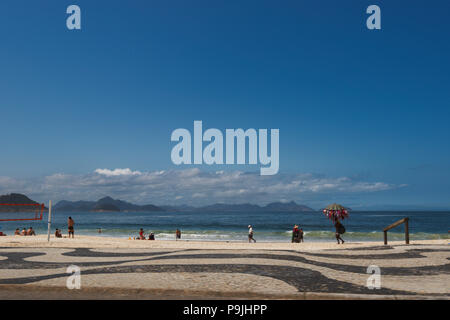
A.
x: 268, y: 227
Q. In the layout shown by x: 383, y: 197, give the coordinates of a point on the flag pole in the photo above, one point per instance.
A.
x: 49, y: 219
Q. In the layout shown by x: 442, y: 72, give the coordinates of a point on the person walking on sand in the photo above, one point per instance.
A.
x: 70, y: 224
x: 250, y: 234
x: 300, y: 235
x: 340, y: 229
x: 177, y: 234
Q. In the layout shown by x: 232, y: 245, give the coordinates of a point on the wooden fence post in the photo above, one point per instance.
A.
x: 406, y: 230
x: 399, y: 222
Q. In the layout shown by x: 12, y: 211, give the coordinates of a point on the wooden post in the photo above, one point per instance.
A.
x: 399, y: 222
x: 406, y: 231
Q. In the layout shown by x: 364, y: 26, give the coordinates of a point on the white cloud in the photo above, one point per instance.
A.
x: 117, y: 172
x: 191, y: 186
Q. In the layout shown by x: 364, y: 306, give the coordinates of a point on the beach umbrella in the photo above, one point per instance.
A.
x: 336, y: 212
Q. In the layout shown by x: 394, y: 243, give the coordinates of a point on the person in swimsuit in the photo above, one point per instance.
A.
x: 58, y: 233
x: 295, y: 234
x: 31, y: 232
x: 70, y: 224
x: 141, y: 234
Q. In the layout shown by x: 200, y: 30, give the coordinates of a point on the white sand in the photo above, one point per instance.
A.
x: 109, y: 242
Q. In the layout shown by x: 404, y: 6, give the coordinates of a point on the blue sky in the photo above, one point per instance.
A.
x: 368, y: 106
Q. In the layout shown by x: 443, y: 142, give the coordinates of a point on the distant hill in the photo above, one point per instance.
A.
x: 17, y: 198
x: 110, y: 204
x: 100, y: 207
x: 104, y: 204
x: 246, y: 207
x: 65, y: 205
x: 287, y: 207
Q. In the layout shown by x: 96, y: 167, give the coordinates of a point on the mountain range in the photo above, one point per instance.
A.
x: 114, y: 205
x: 110, y: 204
x: 245, y: 207
x: 104, y: 204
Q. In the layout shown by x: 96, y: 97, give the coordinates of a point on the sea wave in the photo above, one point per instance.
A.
x: 267, y: 236
x: 223, y: 234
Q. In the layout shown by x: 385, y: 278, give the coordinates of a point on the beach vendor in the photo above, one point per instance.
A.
x: 340, y: 229
x: 336, y: 212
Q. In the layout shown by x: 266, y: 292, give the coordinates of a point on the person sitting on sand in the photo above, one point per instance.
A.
x: 151, y: 236
x: 17, y: 232
x: 339, y: 230
x: 30, y: 232
x: 250, y: 234
x: 141, y: 234
x: 58, y: 233
x: 177, y: 234
x: 24, y: 232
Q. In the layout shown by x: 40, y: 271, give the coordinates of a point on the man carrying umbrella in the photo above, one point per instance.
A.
x: 340, y: 229
x: 336, y: 212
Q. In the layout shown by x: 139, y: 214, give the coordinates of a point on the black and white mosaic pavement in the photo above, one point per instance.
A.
x: 405, y: 270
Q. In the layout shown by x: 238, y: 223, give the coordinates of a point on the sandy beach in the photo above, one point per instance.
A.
x: 115, y: 268
x: 82, y: 241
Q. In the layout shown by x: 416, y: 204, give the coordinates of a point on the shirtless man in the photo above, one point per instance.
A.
x: 70, y: 224
x: 31, y: 232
